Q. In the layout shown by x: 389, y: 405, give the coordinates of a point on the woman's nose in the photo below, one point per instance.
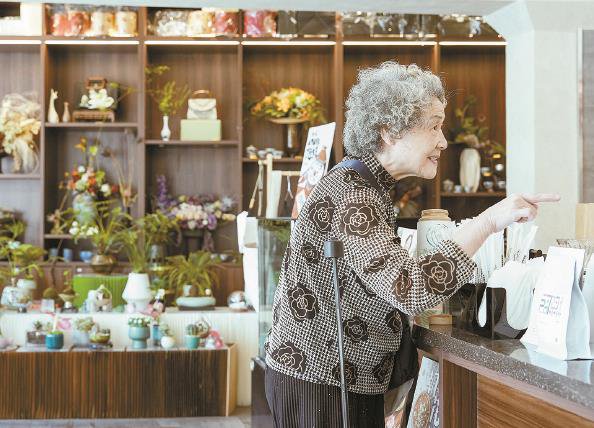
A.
x: 443, y: 143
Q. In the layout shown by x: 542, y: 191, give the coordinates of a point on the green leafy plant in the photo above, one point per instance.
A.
x: 139, y: 321
x: 473, y: 131
x: 198, y: 270
x: 192, y: 330
x: 168, y: 96
x: 138, y: 239
x: 22, y: 259
x: 160, y: 227
x: 165, y: 330
x: 56, y: 332
x: 105, y: 230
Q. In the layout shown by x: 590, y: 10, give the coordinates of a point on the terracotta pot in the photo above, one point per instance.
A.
x: 103, y: 264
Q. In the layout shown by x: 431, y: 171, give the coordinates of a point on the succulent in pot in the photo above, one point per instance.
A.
x: 36, y: 337
x: 167, y: 339
x: 82, y: 330
x: 138, y: 331
x: 54, y: 339
x: 192, y: 338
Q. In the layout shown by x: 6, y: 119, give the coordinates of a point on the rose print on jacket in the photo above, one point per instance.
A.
x: 310, y: 253
x: 350, y: 372
x: 383, y: 368
x: 394, y: 322
x: 356, y: 329
x: 440, y: 272
x: 303, y: 303
x: 367, y: 290
x: 289, y: 356
x: 321, y: 213
x: 353, y: 177
x: 358, y: 220
x: 377, y: 264
x: 402, y: 285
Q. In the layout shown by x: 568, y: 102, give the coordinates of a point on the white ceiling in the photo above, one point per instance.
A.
x: 468, y: 7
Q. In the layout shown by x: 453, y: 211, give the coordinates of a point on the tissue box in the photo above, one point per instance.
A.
x: 200, y: 130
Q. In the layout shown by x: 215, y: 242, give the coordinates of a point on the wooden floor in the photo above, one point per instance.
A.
x: 240, y: 419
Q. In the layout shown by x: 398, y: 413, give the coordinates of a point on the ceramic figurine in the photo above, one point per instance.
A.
x: 66, y: 114
x: 52, y: 114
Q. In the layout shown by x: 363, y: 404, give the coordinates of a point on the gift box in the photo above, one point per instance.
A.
x: 200, y: 130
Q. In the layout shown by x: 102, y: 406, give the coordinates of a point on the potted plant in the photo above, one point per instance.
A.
x: 105, y: 233
x: 82, y: 330
x: 290, y: 107
x: 167, y: 339
x: 36, y: 337
x: 138, y: 331
x: 193, y: 277
x: 54, y: 339
x: 168, y: 96
x: 100, y: 336
x: 192, y: 336
x: 18, y: 274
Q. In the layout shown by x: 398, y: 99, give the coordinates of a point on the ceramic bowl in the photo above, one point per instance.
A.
x: 85, y: 256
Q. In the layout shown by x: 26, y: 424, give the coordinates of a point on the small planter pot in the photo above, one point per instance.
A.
x: 167, y: 342
x: 139, y: 335
x: 54, y: 341
x: 81, y: 338
x: 36, y: 337
x: 103, y: 264
x: 192, y: 342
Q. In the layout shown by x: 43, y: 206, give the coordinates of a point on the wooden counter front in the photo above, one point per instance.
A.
x: 118, y: 384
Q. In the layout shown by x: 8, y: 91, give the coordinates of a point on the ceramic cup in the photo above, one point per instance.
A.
x: 67, y: 254
x: 488, y: 185
x: 53, y: 253
x: 467, y: 189
x: 458, y: 188
x: 85, y: 256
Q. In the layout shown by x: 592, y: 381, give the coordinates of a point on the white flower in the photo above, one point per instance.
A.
x: 81, y: 169
x: 13, y: 245
x: 192, y: 224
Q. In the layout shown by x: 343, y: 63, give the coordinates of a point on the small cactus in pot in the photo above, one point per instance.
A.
x: 192, y: 336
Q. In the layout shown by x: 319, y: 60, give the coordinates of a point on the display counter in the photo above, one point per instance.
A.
x: 240, y: 328
x: 502, y: 383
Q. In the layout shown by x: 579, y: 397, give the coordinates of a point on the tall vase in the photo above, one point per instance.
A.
x: 292, y: 137
x: 165, y: 131
x: 137, y: 292
x: 66, y: 114
x: 470, y: 169
x: 84, y: 208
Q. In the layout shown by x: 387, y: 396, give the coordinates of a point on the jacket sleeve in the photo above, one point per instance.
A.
x: 373, y: 252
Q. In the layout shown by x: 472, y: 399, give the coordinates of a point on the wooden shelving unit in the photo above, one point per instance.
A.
x: 237, y: 70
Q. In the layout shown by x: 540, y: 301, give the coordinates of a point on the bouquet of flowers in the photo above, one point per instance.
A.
x: 19, y: 123
x: 291, y: 103
x: 473, y: 131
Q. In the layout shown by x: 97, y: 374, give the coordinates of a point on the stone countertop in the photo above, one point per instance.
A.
x: 571, y: 380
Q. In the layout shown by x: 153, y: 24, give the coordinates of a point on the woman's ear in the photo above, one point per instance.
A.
x: 387, y: 138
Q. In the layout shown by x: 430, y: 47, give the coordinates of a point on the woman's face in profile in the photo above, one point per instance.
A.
x: 417, y: 152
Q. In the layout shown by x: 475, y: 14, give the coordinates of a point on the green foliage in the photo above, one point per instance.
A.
x: 198, y: 269
x: 84, y: 324
x: 50, y: 294
x: 160, y: 227
x: 192, y: 330
x: 168, y: 96
x: 22, y: 259
x: 472, y: 131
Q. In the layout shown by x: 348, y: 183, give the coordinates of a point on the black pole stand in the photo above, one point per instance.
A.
x: 333, y: 249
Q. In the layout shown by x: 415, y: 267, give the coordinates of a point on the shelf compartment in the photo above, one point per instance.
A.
x: 179, y: 143
x: 54, y: 237
x: 91, y: 125
x: 20, y: 177
x: 281, y: 160
x: 475, y: 195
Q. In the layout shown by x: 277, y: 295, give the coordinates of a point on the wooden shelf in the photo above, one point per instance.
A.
x: 62, y: 40
x: 281, y: 160
x: 49, y: 236
x: 222, y: 143
x: 20, y: 177
x: 92, y: 125
x: 475, y: 195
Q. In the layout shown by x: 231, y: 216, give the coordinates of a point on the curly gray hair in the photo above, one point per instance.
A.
x: 390, y: 96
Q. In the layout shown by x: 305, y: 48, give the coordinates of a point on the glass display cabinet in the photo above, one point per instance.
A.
x: 273, y: 237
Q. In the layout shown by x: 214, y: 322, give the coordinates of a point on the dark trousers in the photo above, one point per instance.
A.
x: 296, y: 403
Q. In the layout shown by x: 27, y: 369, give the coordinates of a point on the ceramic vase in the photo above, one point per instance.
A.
x: 137, y: 292
x: 84, y: 208
x: 156, y: 334
x: 52, y: 114
x: 192, y: 342
x: 138, y: 335
x: 54, y: 341
x: 292, y: 137
x: 102, y: 264
x: 66, y: 114
x: 470, y: 169
x: 165, y: 131
x: 7, y: 165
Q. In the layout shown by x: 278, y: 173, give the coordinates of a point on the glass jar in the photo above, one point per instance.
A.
x: 126, y: 22
x: 200, y: 23
x: 226, y: 22
x: 79, y: 22
x: 170, y: 23
x: 58, y: 21
x: 259, y: 23
x: 102, y: 22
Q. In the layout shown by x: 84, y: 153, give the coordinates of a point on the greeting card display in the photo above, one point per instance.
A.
x: 315, y: 162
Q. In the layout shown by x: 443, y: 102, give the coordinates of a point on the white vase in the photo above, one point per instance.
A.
x: 138, y: 292
x: 26, y: 287
x: 165, y: 131
x: 470, y: 169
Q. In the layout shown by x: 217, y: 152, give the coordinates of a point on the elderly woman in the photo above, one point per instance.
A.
x: 393, y: 126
